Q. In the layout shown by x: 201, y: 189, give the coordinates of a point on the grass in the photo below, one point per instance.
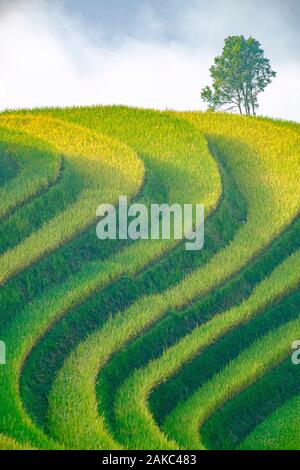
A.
x: 94, y: 352
x: 154, y: 278
x: 104, y: 340
x: 36, y: 318
x: 87, y: 243
x: 102, y: 165
x: 8, y: 165
x: 75, y: 143
x: 251, y: 365
x: 278, y: 432
x: 37, y: 212
x: 9, y: 444
x: 179, y: 323
x: 248, y: 416
x: 284, y: 277
x: 23, y: 175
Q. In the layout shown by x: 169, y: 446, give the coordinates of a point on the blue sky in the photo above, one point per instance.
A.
x: 146, y: 53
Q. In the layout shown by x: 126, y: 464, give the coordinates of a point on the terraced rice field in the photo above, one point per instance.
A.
x: 123, y: 344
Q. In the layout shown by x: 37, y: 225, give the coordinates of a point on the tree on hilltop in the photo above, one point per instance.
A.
x: 239, y: 75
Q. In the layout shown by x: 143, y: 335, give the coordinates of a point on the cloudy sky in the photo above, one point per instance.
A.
x: 150, y: 53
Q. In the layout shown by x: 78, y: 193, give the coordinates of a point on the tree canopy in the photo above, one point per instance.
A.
x: 239, y: 75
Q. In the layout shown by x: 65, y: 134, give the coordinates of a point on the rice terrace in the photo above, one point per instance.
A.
x: 149, y: 229
x: 142, y: 344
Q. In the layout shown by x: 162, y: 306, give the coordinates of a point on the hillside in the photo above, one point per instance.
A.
x: 123, y: 344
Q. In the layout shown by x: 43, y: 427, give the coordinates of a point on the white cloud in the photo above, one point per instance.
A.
x: 48, y: 58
